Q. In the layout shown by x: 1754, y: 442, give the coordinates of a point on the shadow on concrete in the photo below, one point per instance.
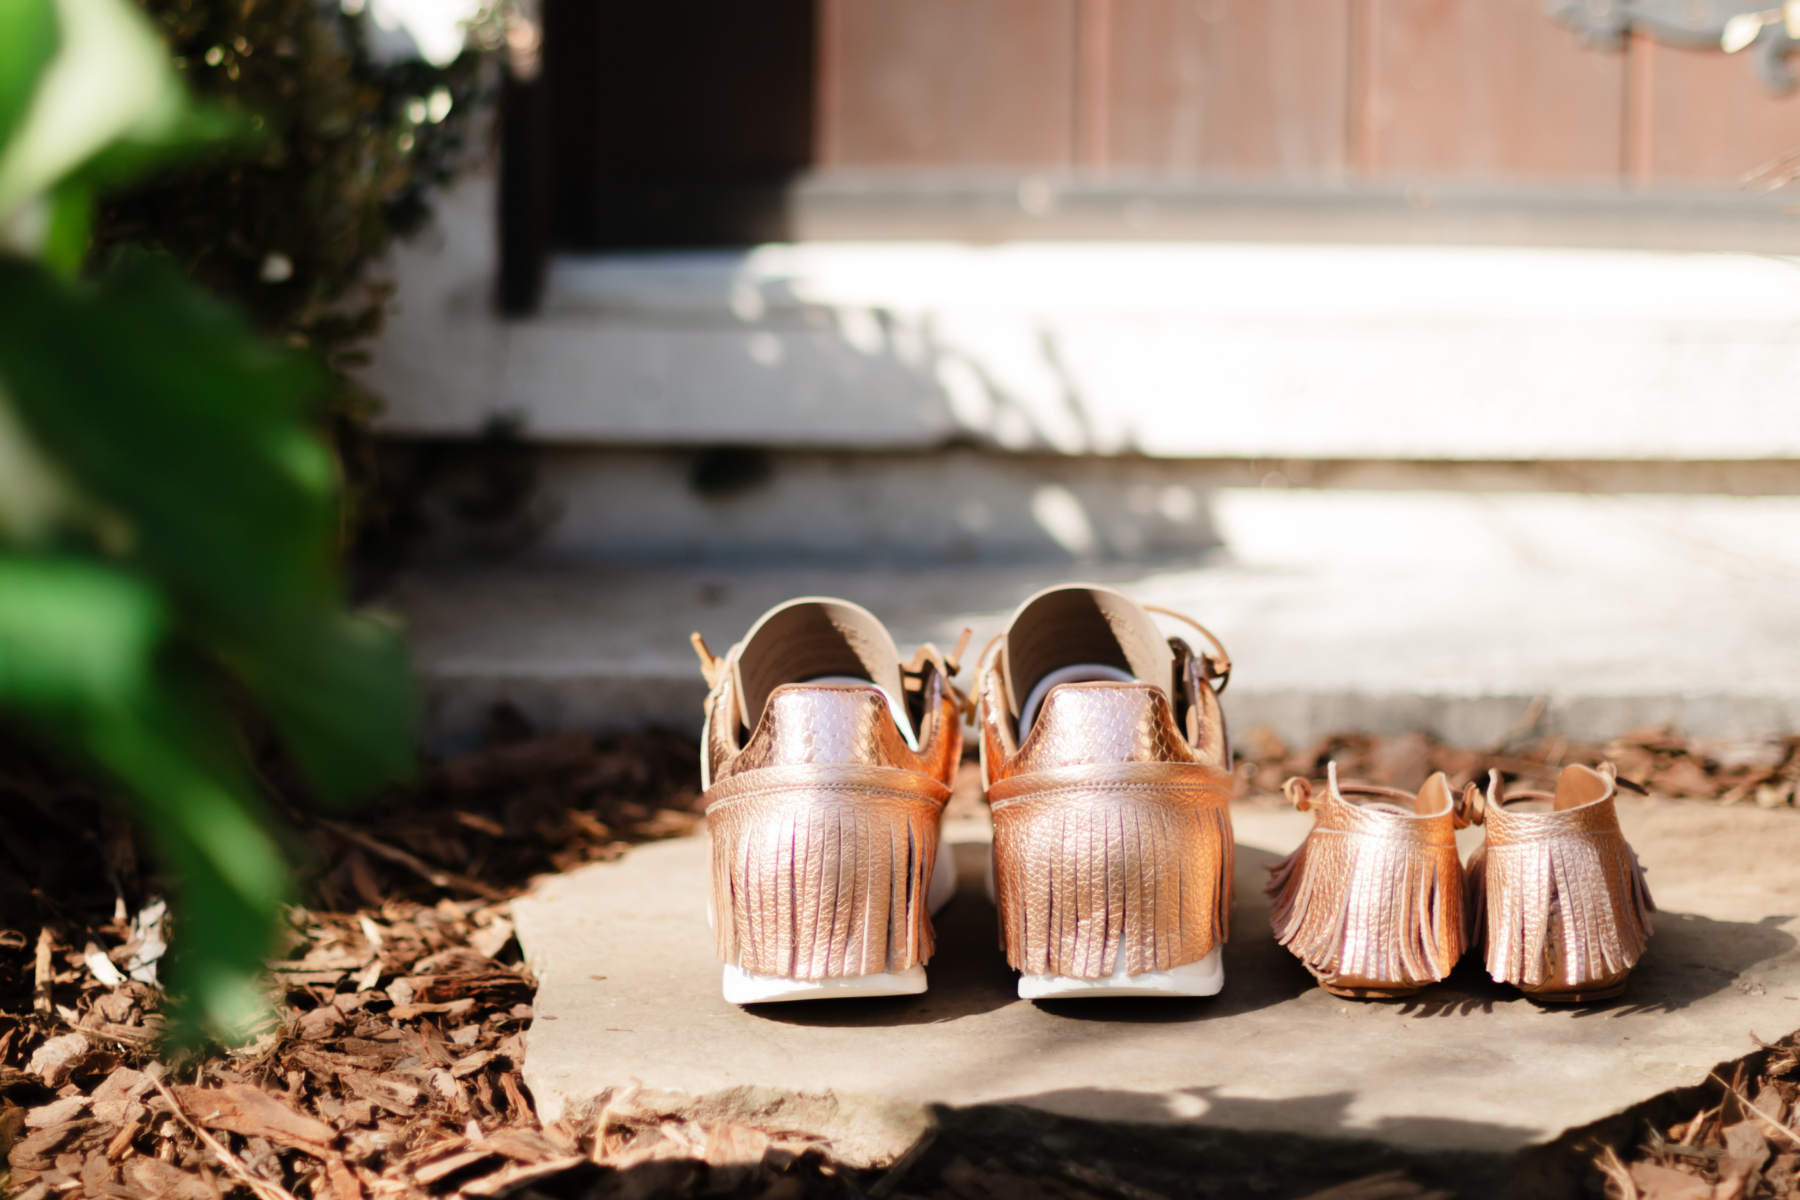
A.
x: 969, y: 974
x: 1008, y: 1152
x: 1692, y: 957
x: 1135, y: 1147
x: 1323, y: 1115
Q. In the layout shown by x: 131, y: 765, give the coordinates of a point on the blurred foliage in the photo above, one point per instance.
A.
x: 348, y: 149
x: 168, y: 511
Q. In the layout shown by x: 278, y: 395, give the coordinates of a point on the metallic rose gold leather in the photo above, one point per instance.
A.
x: 1101, y: 723
x: 824, y: 827
x: 1096, y: 861
x: 1558, y: 897
x: 822, y: 870
x: 832, y: 723
x: 1373, y: 899
x: 993, y: 719
x: 1111, y: 835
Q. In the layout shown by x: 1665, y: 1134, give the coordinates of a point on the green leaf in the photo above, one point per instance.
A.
x: 74, y: 636
x: 338, y: 689
x: 34, y: 498
x: 188, y: 426
x: 194, y: 130
x: 84, y: 661
x: 66, y: 242
x: 110, y: 77
x: 175, y: 759
x: 27, y: 40
x: 193, y: 431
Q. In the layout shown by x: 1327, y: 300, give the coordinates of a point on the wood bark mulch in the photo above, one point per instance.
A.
x: 390, y: 1069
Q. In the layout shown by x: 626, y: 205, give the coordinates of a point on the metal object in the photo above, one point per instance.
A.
x: 1691, y: 24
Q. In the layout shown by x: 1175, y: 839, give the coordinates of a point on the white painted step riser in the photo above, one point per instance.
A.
x: 965, y: 506
x: 1167, y: 349
x: 953, y: 507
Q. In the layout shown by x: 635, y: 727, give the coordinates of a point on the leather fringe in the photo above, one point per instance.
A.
x: 1080, y: 882
x: 1357, y: 905
x: 1567, y: 908
x: 818, y: 880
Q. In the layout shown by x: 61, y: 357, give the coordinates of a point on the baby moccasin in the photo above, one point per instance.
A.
x: 1556, y: 893
x: 1372, y: 901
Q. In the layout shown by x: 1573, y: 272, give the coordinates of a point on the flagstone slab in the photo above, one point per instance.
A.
x: 630, y: 993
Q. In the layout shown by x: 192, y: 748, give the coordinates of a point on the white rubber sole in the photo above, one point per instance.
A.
x: 1203, y: 978
x: 741, y: 987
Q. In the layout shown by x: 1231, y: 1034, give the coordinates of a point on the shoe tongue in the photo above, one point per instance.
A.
x: 1082, y: 624
x: 813, y: 638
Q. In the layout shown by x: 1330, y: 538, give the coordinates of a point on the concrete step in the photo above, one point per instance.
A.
x: 629, y: 991
x: 743, y: 506
x: 1180, y: 349
x: 1385, y: 611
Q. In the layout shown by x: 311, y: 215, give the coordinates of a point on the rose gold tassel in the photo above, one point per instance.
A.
x: 1372, y: 901
x: 822, y: 871
x: 1559, y: 898
x: 1085, y: 872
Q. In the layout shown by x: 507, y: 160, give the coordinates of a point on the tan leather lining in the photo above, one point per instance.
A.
x: 808, y: 638
x: 1081, y: 623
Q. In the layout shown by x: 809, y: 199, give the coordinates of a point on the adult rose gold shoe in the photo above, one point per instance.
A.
x: 1106, y: 763
x: 1372, y: 901
x: 826, y: 762
x: 1556, y: 893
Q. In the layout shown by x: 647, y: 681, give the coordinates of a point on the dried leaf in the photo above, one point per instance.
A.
x: 467, y: 1066
x: 167, y: 1182
x: 1661, y: 1183
x: 53, y: 1061
x: 244, y: 1109
x: 443, y: 1167
x: 523, y: 1145
x: 60, y: 1112
x: 511, y: 1178
x: 398, y: 1098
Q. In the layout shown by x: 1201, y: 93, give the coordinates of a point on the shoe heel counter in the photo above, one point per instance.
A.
x: 1092, y: 723
x: 815, y: 724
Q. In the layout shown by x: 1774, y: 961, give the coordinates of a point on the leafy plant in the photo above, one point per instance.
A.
x: 350, y: 143
x: 348, y: 148
x: 168, y: 511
